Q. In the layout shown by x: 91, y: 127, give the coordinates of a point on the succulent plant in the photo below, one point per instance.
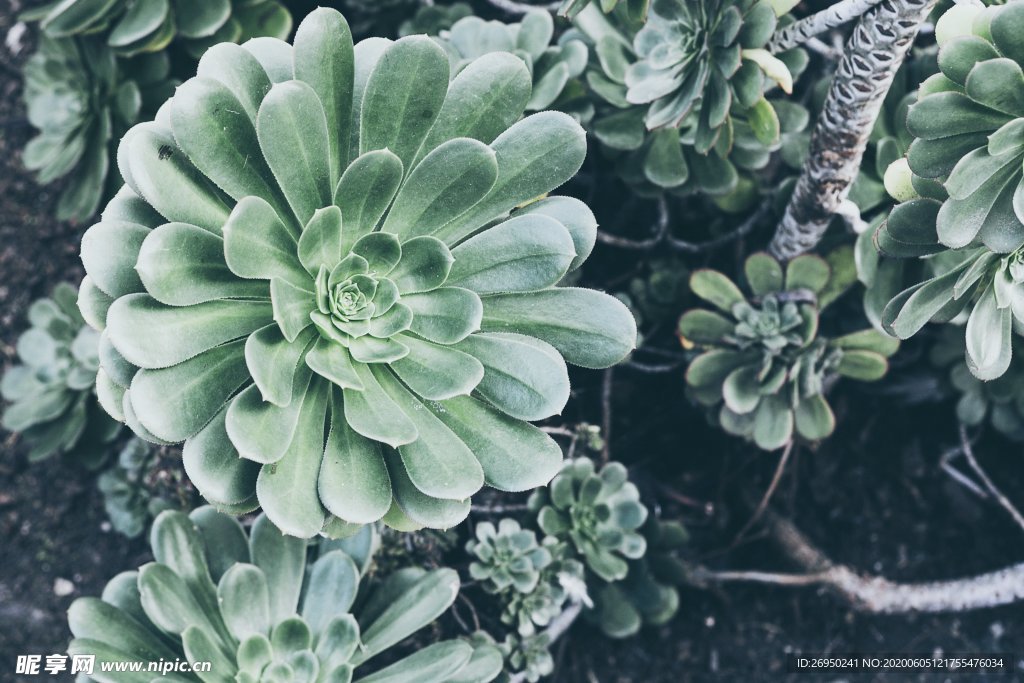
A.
x: 962, y: 173
x: 561, y: 582
x: 51, y: 391
x: 507, y: 557
x: 688, y: 155
x: 554, y: 68
x: 128, y: 498
x: 251, y: 606
x: 132, y: 28
x: 596, y: 513
x: 81, y: 99
x: 764, y: 362
x: 377, y: 17
x: 431, y: 20
x: 376, y: 281
x: 1000, y: 402
x: 647, y: 595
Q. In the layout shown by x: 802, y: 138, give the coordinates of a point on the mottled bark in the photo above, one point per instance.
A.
x: 873, y: 54
x: 801, y: 31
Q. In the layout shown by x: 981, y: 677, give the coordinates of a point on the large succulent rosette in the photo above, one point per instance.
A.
x: 313, y: 279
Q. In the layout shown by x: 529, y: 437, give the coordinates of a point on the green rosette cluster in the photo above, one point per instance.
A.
x: 555, y: 69
x: 313, y: 279
x: 81, y: 99
x: 675, y: 119
x: 595, y: 512
x: 764, y: 362
x: 962, y: 184
x: 129, y: 496
x: 259, y: 611
x: 507, y: 556
x: 431, y: 20
x: 560, y: 581
x: 131, y: 28
x: 51, y: 391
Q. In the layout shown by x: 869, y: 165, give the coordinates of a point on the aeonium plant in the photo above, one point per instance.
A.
x: 263, y: 607
x: 328, y: 276
x: 764, y: 364
x: 960, y: 187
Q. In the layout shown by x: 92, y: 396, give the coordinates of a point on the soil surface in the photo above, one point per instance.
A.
x: 874, y: 496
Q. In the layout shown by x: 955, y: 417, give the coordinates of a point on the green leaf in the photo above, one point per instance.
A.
x: 151, y: 161
x: 514, y: 456
x: 445, y: 315
x: 368, y: 349
x: 292, y: 130
x: 168, y: 601
x: 151, y: 335
x: 742, y: 389
x: 109, y: 252
x: 773, y: 423
x: 524, y: 377
x: 354, y: 482
x: 445, y: 184
x: 807, y: 271
x: 276, y: 57
x: 526, y: 253
x: 589, y: 328
x: 201, y: 18
x: 403, y: 97
x: 258, y: 245
x: 433, y: 664
x: 764, y: 274
x: 866, y: 366
x: 333, y: 362
x: 238, y: 70
x: 175, y: 403
x: 414, y: 608
x: 283, y: 561
x: 330, y: 590
x: 223, y: 537
x: 437, y: 372
x: 94, y: 618
x: 484, y: 99
x: 365, y: 192
x: 320, y: 242
x: 381, y: 250
x: 534, y: 156
x: 373, y: 414
x: 701, y: 326
x: 716, y: 289
x: 291, y: 307
x: 424, y: 266
x: 182, y: 265
x: 244, y: 601
x: 272, y: 360
x: 438, y: 463
x: 70, y: 18
x: 325, y: 60
x: 214, y: 468
x: 288, y: 489
x: 764, y: 122
x: 814, y: 418
x: 575, y: 216
x: 212, y: 127
x: 93, y: 303
x: 260, y: 430
x: 989, y: 346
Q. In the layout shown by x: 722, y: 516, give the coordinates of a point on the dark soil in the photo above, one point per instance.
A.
x: 873, y: 497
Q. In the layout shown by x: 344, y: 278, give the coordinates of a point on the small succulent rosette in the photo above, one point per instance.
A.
x: 52, y: 389
x: 328, y: 275
x: 263, y: 607
x: 553, y: 67
x: 960, y: 186
x: 680, y: 109
x: 507, y: 557
x: 764, y: 364
x: 132, y: 28
x: 595, y: 512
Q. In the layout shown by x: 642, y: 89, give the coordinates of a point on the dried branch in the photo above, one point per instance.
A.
x: 513, y: 7
x: 968, y: 451
x: 769, y: 492
x: 874, y: 53
x: 807, y: 28
x: 875, y: 594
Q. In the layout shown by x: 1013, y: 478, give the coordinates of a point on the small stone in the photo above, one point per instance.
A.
x: 62, y: 587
